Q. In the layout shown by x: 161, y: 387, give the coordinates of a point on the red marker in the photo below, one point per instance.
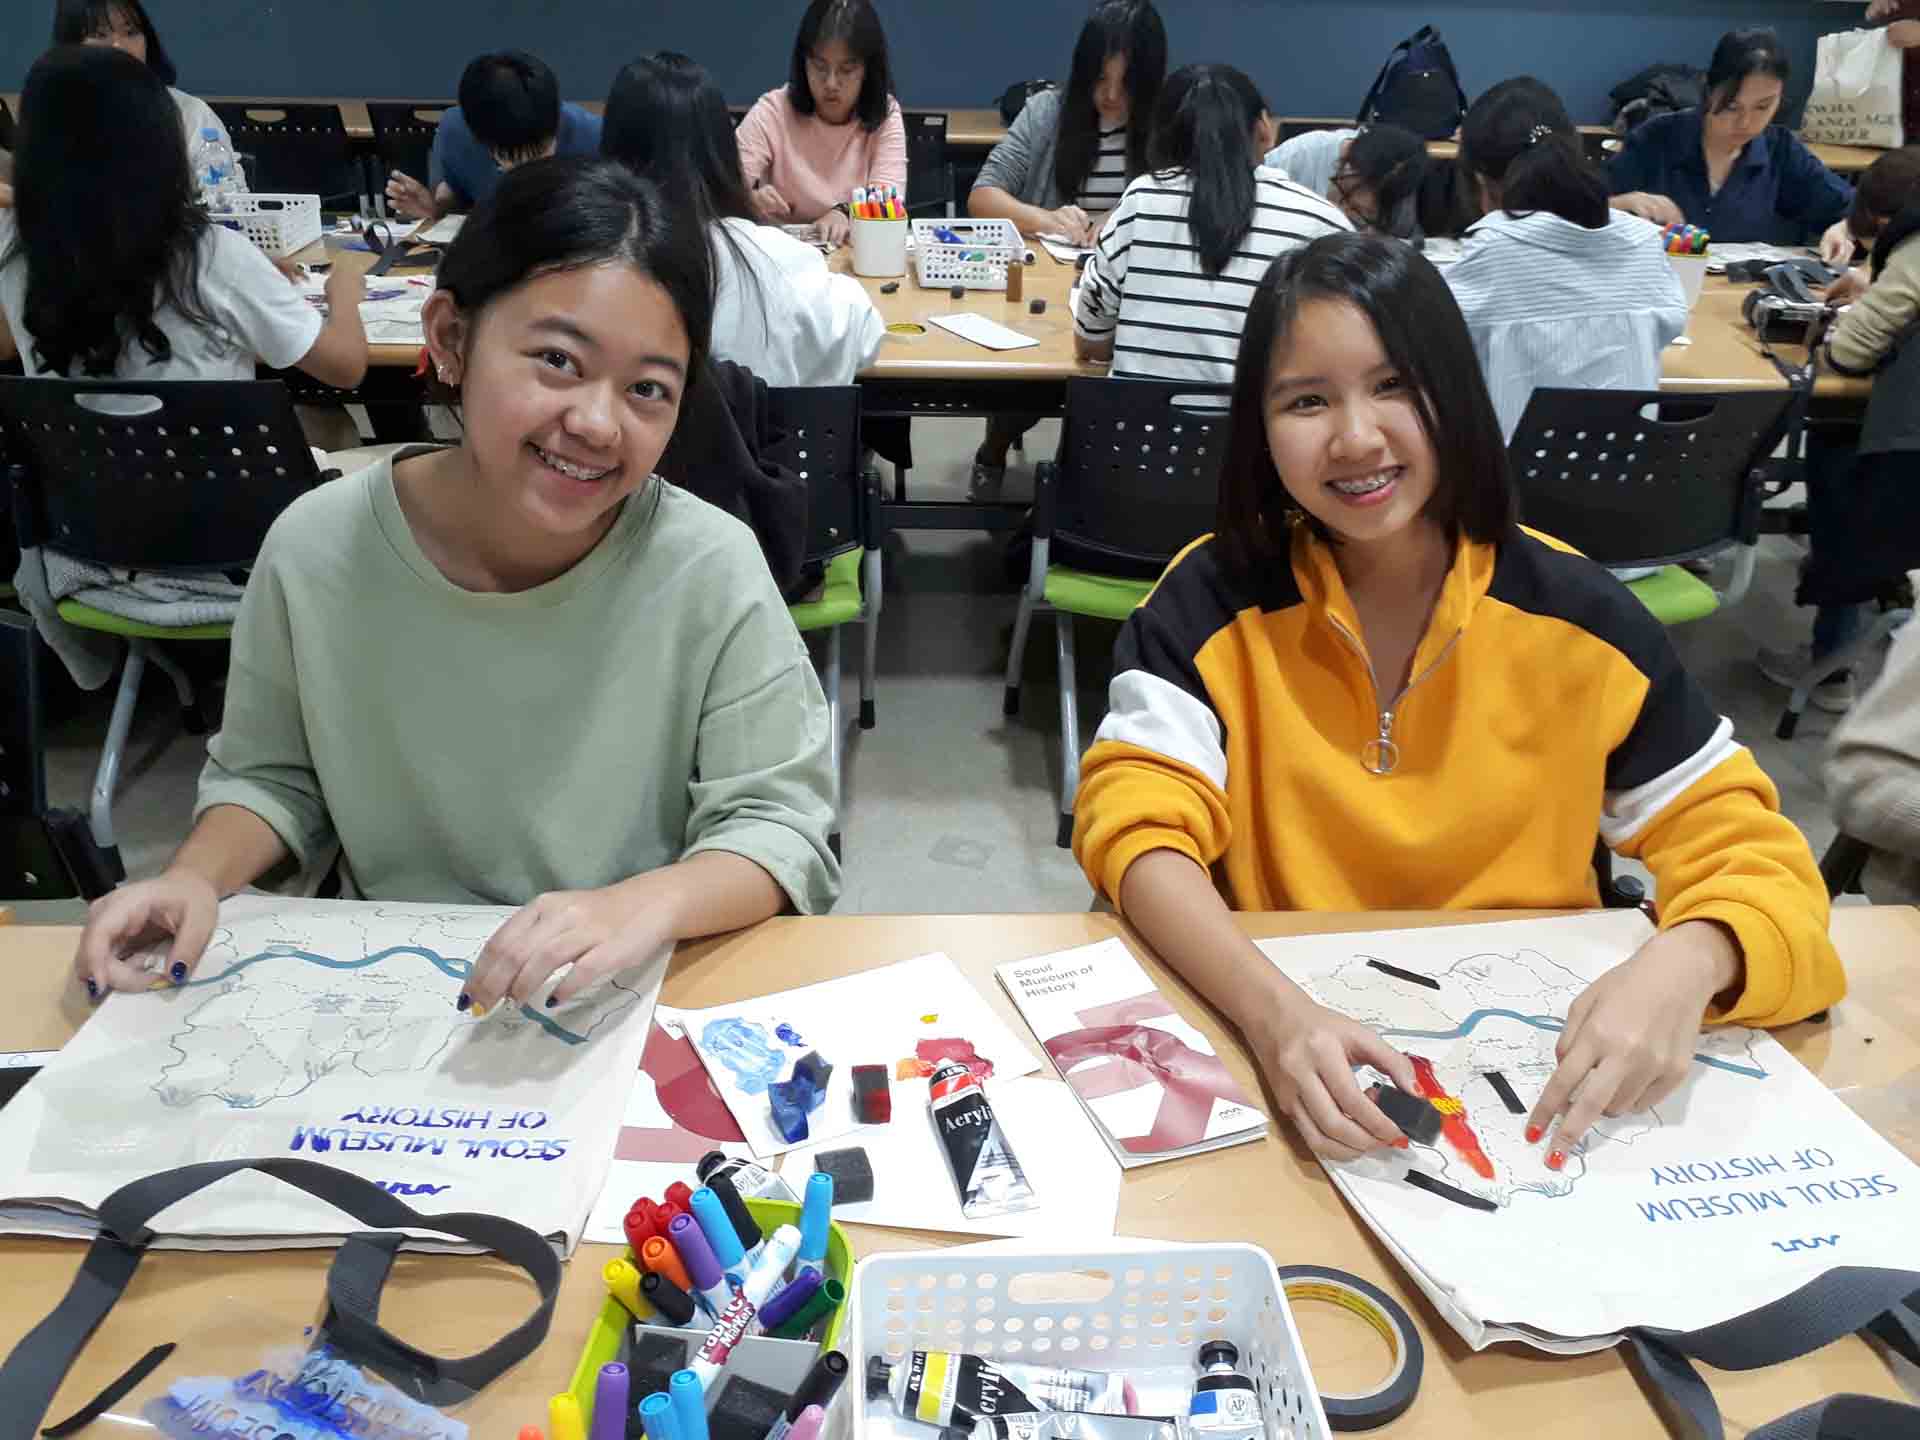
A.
x: 639, y: 1226
x: 681, y: 1195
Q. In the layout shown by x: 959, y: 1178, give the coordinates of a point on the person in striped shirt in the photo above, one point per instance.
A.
x: 1165, y: 295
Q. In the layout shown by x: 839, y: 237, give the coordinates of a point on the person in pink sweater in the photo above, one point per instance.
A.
x: 834, y: 124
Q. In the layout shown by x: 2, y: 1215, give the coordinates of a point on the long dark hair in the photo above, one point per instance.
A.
x: 858, y: 24
x: 1392, y: 163
x: 1204, y: 126
x: 77, y: 21
x: 571, y: 211
x: 1425, y: 337
x: 1523, y: 140
x: 1116, y: 27
x: 1739, y: 54
x: 110, y: 223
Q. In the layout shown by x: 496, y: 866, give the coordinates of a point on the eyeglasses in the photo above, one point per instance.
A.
x: 1346, y: 185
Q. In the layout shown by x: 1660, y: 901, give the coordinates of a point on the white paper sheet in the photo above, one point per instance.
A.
x: 327, y: 1030
x: 1750, y: 1181
x: 982, y: 331
x: 443, y: 231
x: 1063, y: 249
x: 1073, y: 1176
x: 907, y: 1014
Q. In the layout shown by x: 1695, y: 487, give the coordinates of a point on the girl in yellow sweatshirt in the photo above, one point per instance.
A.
x: 1372, y: 690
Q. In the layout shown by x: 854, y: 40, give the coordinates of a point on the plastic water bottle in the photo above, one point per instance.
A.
x: 216, y: 169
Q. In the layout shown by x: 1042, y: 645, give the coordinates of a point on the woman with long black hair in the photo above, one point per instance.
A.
x: 126, y: 26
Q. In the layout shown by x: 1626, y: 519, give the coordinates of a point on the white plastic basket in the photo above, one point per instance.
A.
x: 1136, y: 1310
x: 278, y: 224
x: 979, y: 262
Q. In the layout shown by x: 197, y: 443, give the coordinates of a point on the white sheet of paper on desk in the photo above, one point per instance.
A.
x: 1750, y: 1181
x: 1063, y: 249
x: 1073, y: 1176
x: 905, y: 1016
x: 443, y: 231
x: 1751, y: 250
x: 982, y: 331
x: 327, y: 1030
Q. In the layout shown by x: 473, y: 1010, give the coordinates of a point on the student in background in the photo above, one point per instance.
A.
x: 777, y: 309
x: 1067, y: 158
x: 1310, y: 158
x: 1165, y: 294
x: 1883, y: 304
x: 1726, y: 166
x: 126, y: 26
x: 1367, y: 552
x: 1557, y: 288
x: 1384, y: 180
x: 833, y: 126
x: 509, y: 113
x: 600, y: 710
x: 1873, y: 774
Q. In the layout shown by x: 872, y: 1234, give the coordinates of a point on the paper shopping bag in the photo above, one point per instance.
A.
x: 1856, y: 91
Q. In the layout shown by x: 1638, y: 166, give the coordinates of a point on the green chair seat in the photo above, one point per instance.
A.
x: 88, y: 618
x: 1081, y: 592
x: 839, y: 601
x: 1675, y: 595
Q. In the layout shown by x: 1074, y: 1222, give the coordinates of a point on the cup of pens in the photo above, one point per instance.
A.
x: 879, y: 216
x: 1686, y: 247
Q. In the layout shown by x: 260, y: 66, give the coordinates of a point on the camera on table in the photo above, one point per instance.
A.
x: 1781, y: 321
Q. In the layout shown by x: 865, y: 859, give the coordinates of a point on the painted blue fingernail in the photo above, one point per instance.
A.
x: 93, y: 990
x: 179, y: 971
x: 463, y: 1002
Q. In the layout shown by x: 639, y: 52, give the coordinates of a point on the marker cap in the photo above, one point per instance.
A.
x: 814, y: 1217
x: 785, y: 1304
x: 718, y: 1229
x: 668, y: 1298
x: 823, y: 1382
x: 689, y: 1404
x: 656, y: 1414
x: 679, y: 1193
x: 703, y: 1267
x: 744, y: 1225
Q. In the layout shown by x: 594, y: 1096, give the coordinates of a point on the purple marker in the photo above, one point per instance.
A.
x: 610, y: 1403
x: 781, y: 1308
x: 703, y: 1267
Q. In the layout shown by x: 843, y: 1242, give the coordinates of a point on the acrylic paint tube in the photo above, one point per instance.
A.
x: 1065, y: 1425
x: 736, y: 1320
x: 748, y: 1178
x: 991, y: 1181
x: 948, y: 1389
x: 1225, y: 1404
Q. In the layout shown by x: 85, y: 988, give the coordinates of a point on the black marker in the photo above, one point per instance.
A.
x: 1407, y: 975
x: 821, y: 1385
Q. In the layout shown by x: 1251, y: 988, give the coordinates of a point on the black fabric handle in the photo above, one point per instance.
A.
x: 1842, y: 1302
x: 40, y: 1362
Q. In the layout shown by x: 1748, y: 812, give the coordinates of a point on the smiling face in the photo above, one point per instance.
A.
x: 1753, y: 108
x: 570, y: 385
x: 1343, y: 427
x: 835, y: 78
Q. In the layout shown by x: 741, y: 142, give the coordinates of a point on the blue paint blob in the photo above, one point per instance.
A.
x: 790, y: 1035
x: 742, y: 1047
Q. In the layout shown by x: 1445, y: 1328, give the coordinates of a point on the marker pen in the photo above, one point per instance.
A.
x: 679, y: 1193
x: 531, y: 1432
x: 564, y: 1418
x: 660, y: 1258
x: 786, y: 1303
x: 673, y: 1306
x: 623, y: 1283
x: 814, y: 1216
x: 656, y: 1414
x: 610, y: 1402
x: 703, y: 1268
x: 807, y: 1427
x: 744, y: 1225
x: 736, y: 1321
x: 689, y: 1404
x: 639, y: 1226
x: 816, y: 1392
x: 828, y: 1298
x: 721, y: 1235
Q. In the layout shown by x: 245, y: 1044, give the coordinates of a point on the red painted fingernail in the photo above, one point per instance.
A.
x: 1401, y: 1143
x: 1555, y: 1159
x: 1534, y: 1132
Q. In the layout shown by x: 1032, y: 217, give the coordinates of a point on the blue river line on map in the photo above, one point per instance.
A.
x: 1553, y: 1023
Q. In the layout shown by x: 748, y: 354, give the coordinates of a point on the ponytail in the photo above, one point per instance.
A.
x: 1522, y: 139
x: 1205, y: 128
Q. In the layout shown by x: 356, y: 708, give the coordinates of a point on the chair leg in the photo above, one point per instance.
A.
x: 872, y: 581
x: 1016, y: 656
x: 100, y: 814
x: 1844, y: 658
x: 1069, y: 725
x: 191, y: 718
x: 899, y: 484
x: 833, y: 715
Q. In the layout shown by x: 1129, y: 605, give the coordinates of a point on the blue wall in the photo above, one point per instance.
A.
x: 1310, y: 58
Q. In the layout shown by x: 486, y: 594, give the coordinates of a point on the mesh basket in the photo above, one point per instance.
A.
x: 278, y: 224
x: 1141, y: 1311
x: 978, y: 262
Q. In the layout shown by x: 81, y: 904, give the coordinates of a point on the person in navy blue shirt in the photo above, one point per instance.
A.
x: 1727, y: 168
x: 509, y: 113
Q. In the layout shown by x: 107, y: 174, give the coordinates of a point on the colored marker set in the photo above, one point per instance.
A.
x: 878, y: 202
x: 1684, y: 240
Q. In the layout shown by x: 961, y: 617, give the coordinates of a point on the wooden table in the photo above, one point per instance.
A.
x: 1271, y: 1193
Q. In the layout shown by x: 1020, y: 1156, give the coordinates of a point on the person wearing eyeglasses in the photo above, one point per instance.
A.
x: 806, y: 145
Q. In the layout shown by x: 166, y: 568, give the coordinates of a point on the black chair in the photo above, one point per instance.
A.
x: 1651, y: 478
x: 295, y: 148
x: 929, y: 173
x: 191, y: 483
x: 36, y: 848
x: 1844, y: 864
x: 1138, y: 478
x: 403, y: 134
x: 817, y: 436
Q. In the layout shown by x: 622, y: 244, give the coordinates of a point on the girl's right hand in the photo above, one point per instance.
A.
x: 409, y: 198
x: 772, y: 205
x: 1072, y: 222
x: 177, y: 909
x: 1308, y: 1053
x: 1657, y: 208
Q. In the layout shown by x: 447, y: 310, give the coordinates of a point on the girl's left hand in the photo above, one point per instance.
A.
x: 1629, y: 1039
x: 1836, y: 246
x: 834, y: 228
x: 597, y: 932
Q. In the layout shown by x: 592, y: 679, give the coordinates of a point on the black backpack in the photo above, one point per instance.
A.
x: 1014, y: 99
x: 1656, y: 90
x: 1417, y: 89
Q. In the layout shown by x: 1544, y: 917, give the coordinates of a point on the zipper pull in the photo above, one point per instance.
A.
x: 1380, y: 755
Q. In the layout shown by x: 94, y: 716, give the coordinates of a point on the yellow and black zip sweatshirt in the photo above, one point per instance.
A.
x: 1545, y: 705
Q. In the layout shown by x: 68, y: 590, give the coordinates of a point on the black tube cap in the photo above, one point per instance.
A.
x: 879, y: 1376
x: 666, y: 1297
x: 1218, y: 1352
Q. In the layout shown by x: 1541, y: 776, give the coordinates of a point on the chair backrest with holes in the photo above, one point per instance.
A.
x: 816, y: 434
x: 297, y: 149
x: 929, y: 182
x: 192, y: 482
x: 1139, y: 473
x: 1644, y: 477
x: 403, y: 132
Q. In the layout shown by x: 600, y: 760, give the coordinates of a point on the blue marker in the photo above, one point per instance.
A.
x: 814, y: 1215
x: 711, y: 1216
x: 656, y: 1413
x: 689, y: 1404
